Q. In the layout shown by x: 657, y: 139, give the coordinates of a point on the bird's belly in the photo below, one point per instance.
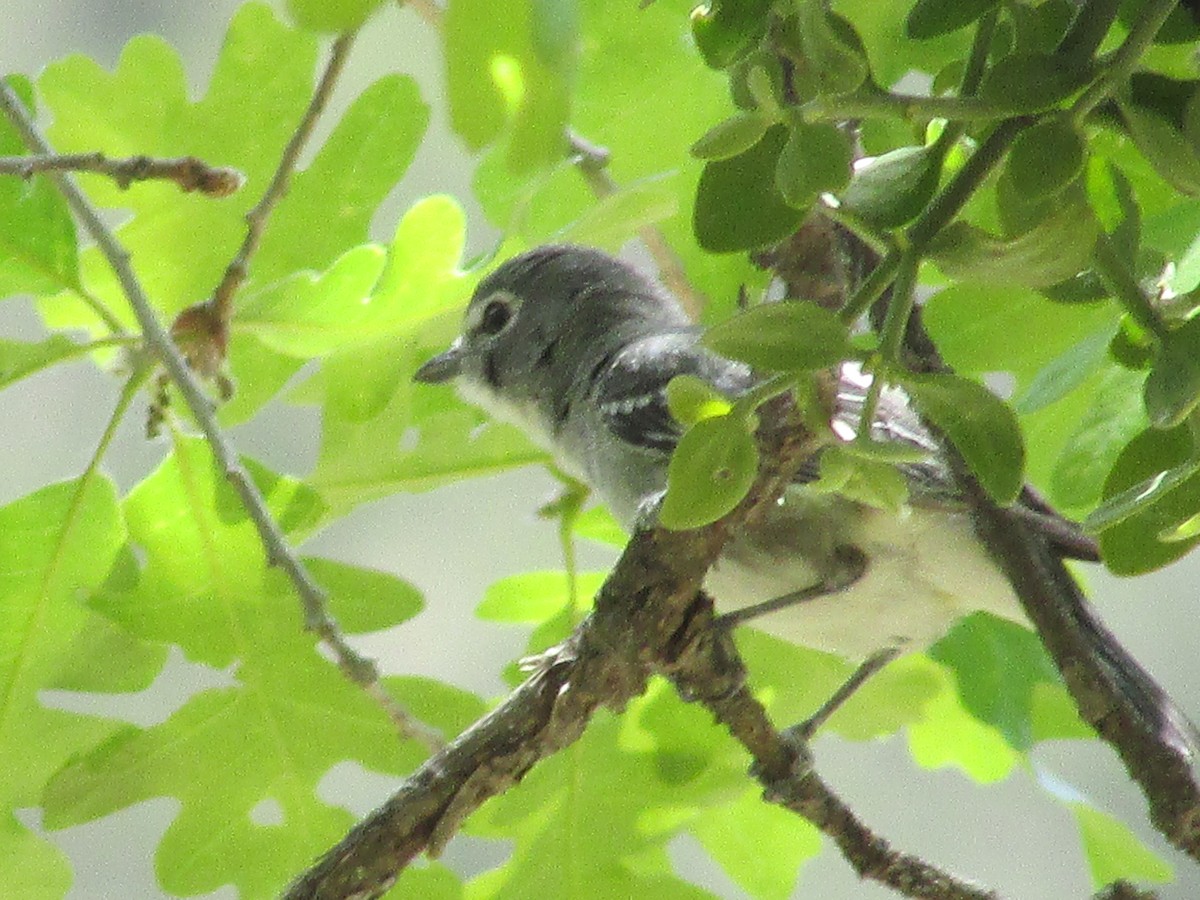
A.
x: 925, y: 569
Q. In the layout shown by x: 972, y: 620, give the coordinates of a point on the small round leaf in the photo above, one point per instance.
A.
x: 931, y: 18
x: 1045, y: 158
x: 710, y: 472
x: 981, y: 425
x: 734, y: 135
x: 1030, y: 82
x: 815, y: 159
x: 792, y: 336
x: 737, y: 204
x: 693, y: 399
x: 894, y: 188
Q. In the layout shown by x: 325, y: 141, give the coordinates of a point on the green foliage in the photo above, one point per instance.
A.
x: 37, y: 235
x: 712, y: 469
x: 722, y: 130
x: 782, y: 337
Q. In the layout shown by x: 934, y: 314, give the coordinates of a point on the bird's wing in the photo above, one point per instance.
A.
x: 632, y: 389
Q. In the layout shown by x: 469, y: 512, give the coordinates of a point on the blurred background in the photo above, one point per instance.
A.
x: 453, y: 542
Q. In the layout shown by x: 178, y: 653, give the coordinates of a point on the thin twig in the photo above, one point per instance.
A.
x: 359, y: 669
x: 592, y: 162
x: 188, y: 172
x: 256, y: 219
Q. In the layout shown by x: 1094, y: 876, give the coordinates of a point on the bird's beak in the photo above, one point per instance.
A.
x: 443, y: 367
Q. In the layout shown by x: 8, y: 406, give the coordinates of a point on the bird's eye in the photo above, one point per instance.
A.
x: 495, y: 316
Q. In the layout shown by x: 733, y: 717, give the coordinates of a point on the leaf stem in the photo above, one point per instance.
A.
x: 256, y: 218
x: 949, y: 201
x: 872, y: 288
x: 1123, y: 61
x: 762, y: 392
x: 1113, y: 271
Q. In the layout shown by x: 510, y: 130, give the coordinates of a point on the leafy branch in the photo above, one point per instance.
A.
x: 649, y: 619
x: 1041, y: 581
x: 357, y: 668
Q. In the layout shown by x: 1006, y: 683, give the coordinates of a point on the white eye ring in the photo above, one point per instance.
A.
x: 494, y: 314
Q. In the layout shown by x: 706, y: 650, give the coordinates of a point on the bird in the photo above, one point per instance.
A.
x: 576, y: 348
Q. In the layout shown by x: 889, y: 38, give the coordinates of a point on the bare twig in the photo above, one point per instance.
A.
x: 649, y: 617
x: 592, y: 162
x: 256, y: 219
x: 313, y: 599
x: 190, y: 173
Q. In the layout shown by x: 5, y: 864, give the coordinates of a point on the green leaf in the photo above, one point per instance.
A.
x: 20, y: 359
x: 1045, y: 158
x: 789, y: 336
x: 759, y: 845
x: 534, y: 597
x: 891, y: 51
x: 732, y: 136
x: 331, y: 15
x: 997, y: 664
x: 515, y: 74
x: 692, y: 399
x: 981, y: 425
x: 597, y: 524
x: 930, y: 18
x: 38, y: 251
x: 617, y: 217
x: 1114, y: 852
x: 206, y: 586
x: 1113, y: 416
x: 867, y: 481
x: 1176, y: 232
x: 894, y: 188
x: 1153, y: 487
x: 724, y: 30
x: 364, y: 600
x: 832, y: 48
x: 948, y: 735
x: 815, y: 160
x: 311, y: 315
x: 738, y: 206
x: 1173, y: 386
x: 1058, y: 247
x: 1065, y: 372
x: 56, y: 545
x: 712, y: 468
x: 645, y: 776
x: 1030, y: 82
x: 1164, y: 146
x: 259, y: 89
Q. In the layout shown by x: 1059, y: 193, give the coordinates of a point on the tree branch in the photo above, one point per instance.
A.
x: 256, y: 219
x: 190, y: 173
x: 649, y: 618
x: 359, y: 669
x: 1046, y: 590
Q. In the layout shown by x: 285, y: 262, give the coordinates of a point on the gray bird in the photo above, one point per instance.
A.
x: 576, y: 348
